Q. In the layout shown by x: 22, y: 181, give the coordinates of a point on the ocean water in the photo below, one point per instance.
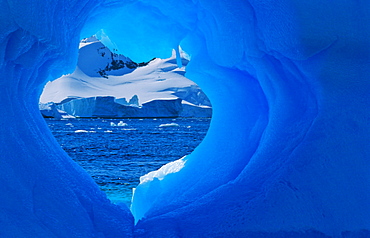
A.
x: 116, y: 156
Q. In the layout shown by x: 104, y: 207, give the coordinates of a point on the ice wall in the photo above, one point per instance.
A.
x: 287, y: 153
x: 43, y: 193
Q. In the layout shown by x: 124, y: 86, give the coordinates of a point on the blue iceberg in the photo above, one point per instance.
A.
x: 287, y: 153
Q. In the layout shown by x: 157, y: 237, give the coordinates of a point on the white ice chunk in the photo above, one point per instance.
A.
x: 121, y: 123
x: 81, y: 131
x: 169, y: 125
x: 172, y: 167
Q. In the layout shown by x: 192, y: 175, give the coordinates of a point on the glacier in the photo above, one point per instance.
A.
x: 101, y: 73
x: 106, y: 107
x: 287, y: 153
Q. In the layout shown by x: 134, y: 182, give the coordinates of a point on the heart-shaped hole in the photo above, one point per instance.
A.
x: 125, y: 139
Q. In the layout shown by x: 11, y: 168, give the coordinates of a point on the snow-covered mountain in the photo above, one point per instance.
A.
x: 103, y: 73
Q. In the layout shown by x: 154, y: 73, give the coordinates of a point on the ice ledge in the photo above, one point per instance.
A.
x: 170, y: 168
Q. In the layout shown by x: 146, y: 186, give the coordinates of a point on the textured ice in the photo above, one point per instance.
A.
x: 147, y: 181
x: 49, y: 110
x: 287, y: 153
x: 172, y: 167
x: 110, y: 107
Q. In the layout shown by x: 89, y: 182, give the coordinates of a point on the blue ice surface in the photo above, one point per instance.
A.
x: 287, y: 153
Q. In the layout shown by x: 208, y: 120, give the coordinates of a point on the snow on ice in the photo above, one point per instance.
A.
x: 102, y: 75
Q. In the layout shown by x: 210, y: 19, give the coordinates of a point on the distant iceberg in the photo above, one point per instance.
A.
x: 50, y: 110
x: 103, y: 73
x: 191, y: 110
x: 138, y: 90
x: 107, y: 107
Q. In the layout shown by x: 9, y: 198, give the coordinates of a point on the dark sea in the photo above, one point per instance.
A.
x: 116, y: 152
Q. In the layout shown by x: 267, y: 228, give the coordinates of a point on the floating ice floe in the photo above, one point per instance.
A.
x: 81, y: 131
x: 121, y: 123
x: 169, y: 125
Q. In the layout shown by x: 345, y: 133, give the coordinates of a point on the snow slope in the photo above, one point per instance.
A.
x: 160, y: 79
